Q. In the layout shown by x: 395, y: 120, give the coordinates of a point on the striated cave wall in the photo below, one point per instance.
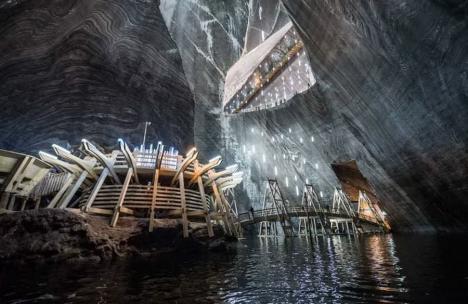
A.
x: 93, y: 68
x: 392, y: 94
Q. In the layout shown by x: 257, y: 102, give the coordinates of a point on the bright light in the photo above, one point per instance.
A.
x: 316, y: 165
x: 301, y: 140
x: 282, y: 136
x: 295, y: 178
x: 274, y: 157
x: 304, y: 161
x: 243, y: 148
x: 253, y: 149
x: 297, y: 191
x: 276, y: 171
x: 307, y: 181
x: 321, y: 194
x: 263, y: 157
x: 287, y: 182
x: 290, y: 130
x: 284, y: 156
x: 312, y: 139
x: 252, y: 130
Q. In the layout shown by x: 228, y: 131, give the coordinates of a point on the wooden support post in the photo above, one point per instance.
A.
x: 314, y: 227
x: 228, y: 212
x: 4, y: 200
x: 183, y: 204
x: 38, y: 202
x: 221, y: 208
x: 123, y: 192
x: 11, y: 202
x: 97, y: 187
x: 69, y: 195
x: 23, y: 203
x: 201, y: 189
x: 153, y: 200
x: 61, y: 192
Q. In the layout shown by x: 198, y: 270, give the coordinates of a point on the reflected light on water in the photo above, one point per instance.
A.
x: 375, y: 269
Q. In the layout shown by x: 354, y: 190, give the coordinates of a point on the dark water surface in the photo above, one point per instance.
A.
x: 376, y: 269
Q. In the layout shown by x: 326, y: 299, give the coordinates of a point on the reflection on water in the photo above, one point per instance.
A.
x: 378, y: 268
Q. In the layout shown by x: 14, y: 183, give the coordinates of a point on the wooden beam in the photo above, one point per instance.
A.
x: 97, y: 187
x: 55, y: 200
x: 220, y: 207
x: 183, y: 204
x: 153, y: 200
x: 123, y: 192
x: 201, y: 189
x: 69, y: 195
x: 100, y: 211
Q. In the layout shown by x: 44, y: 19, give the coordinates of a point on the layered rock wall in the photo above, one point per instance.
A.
x: 95, y: 69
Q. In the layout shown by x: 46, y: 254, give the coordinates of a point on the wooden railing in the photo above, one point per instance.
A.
x: 148, y: 160
x: 51, y: 183
x: 295, y: 211
x: 140, y: 197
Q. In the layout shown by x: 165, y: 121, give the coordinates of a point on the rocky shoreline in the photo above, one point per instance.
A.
x: 54, y: 235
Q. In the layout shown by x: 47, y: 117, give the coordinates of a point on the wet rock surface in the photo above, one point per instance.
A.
x: 52, y: 235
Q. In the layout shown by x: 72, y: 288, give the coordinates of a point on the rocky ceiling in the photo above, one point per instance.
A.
x: 391, y: 92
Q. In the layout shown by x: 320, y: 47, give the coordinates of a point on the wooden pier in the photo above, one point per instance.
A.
x: 154, y: 184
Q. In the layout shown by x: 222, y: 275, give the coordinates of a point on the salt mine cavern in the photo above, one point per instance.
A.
x: 252, y: 151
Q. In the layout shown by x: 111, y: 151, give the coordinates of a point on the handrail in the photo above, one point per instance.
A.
x: 295, y: 211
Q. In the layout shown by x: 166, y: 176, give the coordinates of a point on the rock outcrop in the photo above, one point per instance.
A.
x: 62, y: 235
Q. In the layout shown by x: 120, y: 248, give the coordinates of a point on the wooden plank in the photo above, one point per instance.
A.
x: 128, y: 178
x: 126, y: 210
x: 100, y: 211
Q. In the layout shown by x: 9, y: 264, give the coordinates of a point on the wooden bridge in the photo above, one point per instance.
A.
x: 311, y: 216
